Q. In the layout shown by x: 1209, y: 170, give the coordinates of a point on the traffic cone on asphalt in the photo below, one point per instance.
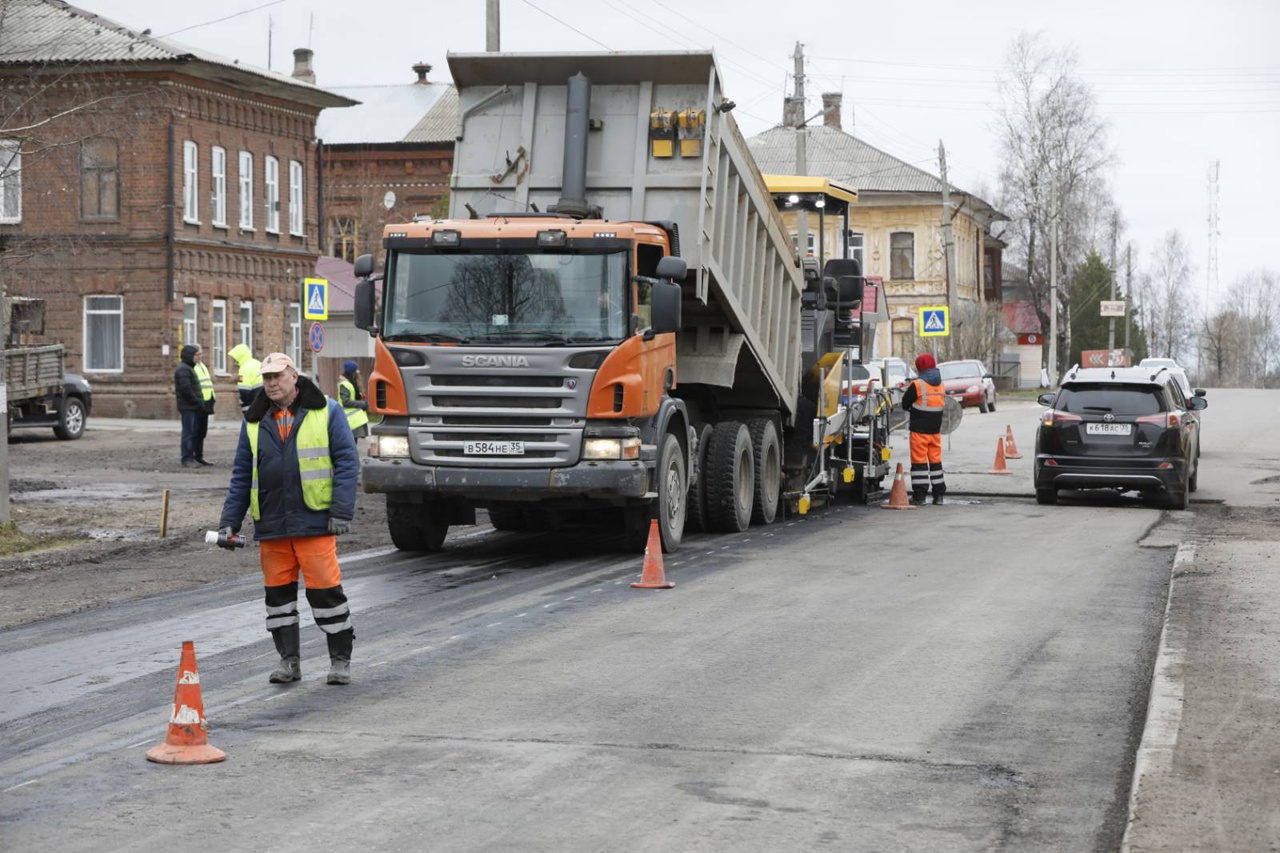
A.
x: 898, y: 494
x: 652, y: 577
x: 999, y: 466
x: 1010, y: 449
x: 187, y: 741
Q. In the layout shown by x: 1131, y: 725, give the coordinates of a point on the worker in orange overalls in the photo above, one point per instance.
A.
x: 925, y: 400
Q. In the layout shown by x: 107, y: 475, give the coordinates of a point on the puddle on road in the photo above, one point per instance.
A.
x: 95, y: 492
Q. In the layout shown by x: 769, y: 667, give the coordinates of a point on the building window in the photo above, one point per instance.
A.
x: 220, y: 187
x: 190, y: 183
x: 100, y: 179
x: 191, y: 321
x: 295, y: 198
x: 246, y: 190
x: 246, y: 324
x: 295, y: 332
x: 103, y: 334
x: 342, y: 238
x: 856, y: 249
x: 220, y: 336
x: 902, y: 255
x: 10, y: 180
x: 271, y: 197
x: 812, y: 241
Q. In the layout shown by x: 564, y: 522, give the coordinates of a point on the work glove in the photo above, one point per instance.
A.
x: 224, y: 539
x: 338, y: 526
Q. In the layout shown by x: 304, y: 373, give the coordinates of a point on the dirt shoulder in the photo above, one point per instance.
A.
x: 100, y: 499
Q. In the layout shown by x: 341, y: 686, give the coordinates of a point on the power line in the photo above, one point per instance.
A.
x: 227, y: 18
x: 562, y: 23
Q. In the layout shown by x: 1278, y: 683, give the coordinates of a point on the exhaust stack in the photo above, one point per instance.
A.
x: 577, y: 121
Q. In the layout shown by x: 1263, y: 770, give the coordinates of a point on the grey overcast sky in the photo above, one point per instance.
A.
x: 1182, y: 83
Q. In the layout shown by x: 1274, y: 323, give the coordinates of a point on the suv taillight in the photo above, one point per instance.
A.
x: 1164, y: 419
x: 1052, y: 417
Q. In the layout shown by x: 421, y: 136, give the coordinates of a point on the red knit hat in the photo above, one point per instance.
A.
x: 924, y: 361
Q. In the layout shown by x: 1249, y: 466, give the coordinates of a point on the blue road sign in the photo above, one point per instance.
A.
x: 317, y: 337
x: 934, y: 321
x: 315, y: 299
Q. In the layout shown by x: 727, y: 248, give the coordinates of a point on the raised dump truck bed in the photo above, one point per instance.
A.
x: 742, y: 294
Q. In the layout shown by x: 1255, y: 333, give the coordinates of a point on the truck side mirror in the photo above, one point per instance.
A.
x: 665, y: 311
x: 364, y: 266
x: 672, y: 267
x: 364, y: 303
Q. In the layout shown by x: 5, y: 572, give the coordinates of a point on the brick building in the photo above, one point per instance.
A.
x: 154, y: 195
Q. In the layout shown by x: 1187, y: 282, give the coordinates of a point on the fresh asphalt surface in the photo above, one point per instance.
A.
x: 969, y: 677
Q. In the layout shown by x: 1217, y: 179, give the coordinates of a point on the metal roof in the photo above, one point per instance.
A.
x: 832, y: 153
x: 40, y: 32
x: 440, y: 124
x: 385, y: 114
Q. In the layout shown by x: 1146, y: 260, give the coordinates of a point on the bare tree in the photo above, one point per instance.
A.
x: 978, y: 331
x: 1053, y: 143
x: 1169, y: 310
x: 1238, y: 343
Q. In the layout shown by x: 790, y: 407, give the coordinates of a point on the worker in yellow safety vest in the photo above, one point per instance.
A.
x: 352, y: 399
x: 248, y: 374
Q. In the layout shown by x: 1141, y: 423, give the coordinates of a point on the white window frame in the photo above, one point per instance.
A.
x: 271, y: 194
x: 295, y: 198
x: 915, y: 261
x: 246, y: 191
x: 219, y: 171
x: 190, y: 182
x: 118, y: 311
x: 812, y: 239
x: 295, y: 332
x: 857, y: 251
x: 11, y: 180
x: 218, y: 317
x: 191, y: 320
x: 246, y: 324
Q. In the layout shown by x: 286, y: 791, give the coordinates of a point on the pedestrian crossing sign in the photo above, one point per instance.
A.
x: 935, y: 321
x: 315, y: 299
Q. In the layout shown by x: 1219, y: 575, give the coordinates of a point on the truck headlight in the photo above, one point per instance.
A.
x: 389, y: 446
x: 611, y: 448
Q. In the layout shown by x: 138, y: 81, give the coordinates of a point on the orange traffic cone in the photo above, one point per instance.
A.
x: 1010, y: 449
x: 999, y: 467
x: 652, y: 576
x: 187, y: 742
x: 898, y: 494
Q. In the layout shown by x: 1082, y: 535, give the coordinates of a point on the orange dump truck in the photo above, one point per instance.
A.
x: 612, y: 321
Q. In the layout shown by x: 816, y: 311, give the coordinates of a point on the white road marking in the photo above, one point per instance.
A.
x: 20, y: 785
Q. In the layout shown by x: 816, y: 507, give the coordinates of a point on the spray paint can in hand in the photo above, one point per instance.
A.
x: 225, y: 540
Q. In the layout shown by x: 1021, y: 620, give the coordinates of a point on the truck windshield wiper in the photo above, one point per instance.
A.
x: 428, y: 337
x: 529, y: 334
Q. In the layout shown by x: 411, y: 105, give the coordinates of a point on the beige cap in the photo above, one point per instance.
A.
x: 277, y: 362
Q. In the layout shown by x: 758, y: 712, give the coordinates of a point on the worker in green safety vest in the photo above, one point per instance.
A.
x: 352, y: 399
x: 248, y: 374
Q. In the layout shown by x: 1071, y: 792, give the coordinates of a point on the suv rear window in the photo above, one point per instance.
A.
x: 1099, y: 398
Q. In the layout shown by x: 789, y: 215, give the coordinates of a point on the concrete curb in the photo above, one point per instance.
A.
x: 1164, y: 704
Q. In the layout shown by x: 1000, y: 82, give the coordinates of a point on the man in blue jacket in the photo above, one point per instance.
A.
x: 295, y: 472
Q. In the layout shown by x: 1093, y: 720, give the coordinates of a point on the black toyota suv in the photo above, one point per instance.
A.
x: 1119, y: 428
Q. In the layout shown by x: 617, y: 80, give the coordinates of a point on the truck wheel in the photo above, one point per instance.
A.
x: 71, y: 419
x: 506, y: 517
x: 768, y: 465
x: 415, y: 527
x: 672, y: 503
x: 730, y: 478
x: 696, y: 514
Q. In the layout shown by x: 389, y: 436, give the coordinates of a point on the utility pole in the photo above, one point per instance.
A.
x: 1053, y: 284
x: 1211, y: 284
x: 802, y: 160
x: 948, y: 237
x: 492, y: 27
x: 1128, y: 291
x: 4, y: 395
x: 1111, y: 321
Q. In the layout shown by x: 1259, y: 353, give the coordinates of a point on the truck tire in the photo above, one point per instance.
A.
x: 415, y: 526
x: 731, y: 478
x: 696, y: 514
x: 507, y: 517
x: 672, y: 484
x: 71, y: 419
x: 768, y: 465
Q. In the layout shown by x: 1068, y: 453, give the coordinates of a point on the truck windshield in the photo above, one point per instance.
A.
x: 507, y: 296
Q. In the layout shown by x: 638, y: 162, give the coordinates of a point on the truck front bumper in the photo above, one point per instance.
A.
x: 608, y: 480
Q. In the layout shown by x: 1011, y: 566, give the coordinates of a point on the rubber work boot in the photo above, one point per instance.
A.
x: 287, y: 644
x: 340, y: 656
x: 917, y: 500
x: 937, y: 499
